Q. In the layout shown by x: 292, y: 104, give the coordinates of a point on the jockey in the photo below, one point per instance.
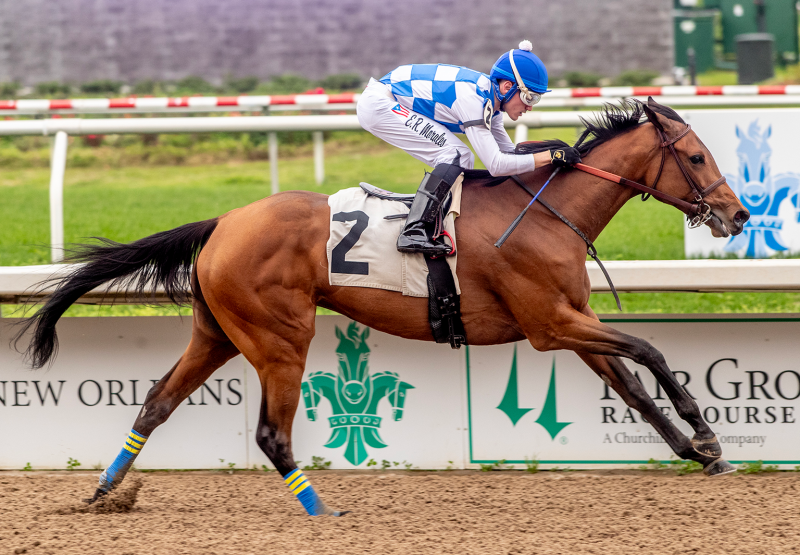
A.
x: 419, y: 107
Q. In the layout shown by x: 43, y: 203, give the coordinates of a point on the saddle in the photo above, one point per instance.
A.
x: 383, y: 194
x: 444, y: 305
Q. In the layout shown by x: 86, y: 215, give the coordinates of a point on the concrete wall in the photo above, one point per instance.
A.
x: 83, y: 40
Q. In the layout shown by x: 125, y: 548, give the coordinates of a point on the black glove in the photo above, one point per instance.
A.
x: 565, y: 156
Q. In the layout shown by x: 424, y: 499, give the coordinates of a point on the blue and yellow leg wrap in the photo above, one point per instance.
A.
x: 301, y: 487
x: 113, y: 475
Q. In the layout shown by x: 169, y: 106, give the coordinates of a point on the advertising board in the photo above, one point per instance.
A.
x: 370, y: 400
x: 755, y: 151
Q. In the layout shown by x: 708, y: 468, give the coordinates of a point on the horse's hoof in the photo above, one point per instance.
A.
x: 707, y: 447
x: 719, y: 467
x: 98, y: 493
x: 340, y: 513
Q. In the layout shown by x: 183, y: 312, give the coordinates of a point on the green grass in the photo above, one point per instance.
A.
x: 127, y: 203
x: 717, y: 78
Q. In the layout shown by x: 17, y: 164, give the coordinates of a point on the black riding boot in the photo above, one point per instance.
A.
x: 417, y: 235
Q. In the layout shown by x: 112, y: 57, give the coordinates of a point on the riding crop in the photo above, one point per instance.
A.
x: 518, y: 219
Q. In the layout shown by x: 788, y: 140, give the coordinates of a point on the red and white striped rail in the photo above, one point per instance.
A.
x: 725, y: 90
x: 676, y: 95
x: 180, y: 104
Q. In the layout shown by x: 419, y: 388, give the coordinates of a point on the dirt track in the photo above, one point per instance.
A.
x: 408, y: 513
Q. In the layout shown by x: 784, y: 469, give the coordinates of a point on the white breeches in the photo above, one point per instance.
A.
x: 423, y: 138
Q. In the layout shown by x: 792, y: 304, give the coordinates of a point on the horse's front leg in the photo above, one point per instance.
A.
x: 614, y: 373
x: 598, y: 344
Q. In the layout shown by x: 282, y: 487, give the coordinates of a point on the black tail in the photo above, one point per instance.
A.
x: 161, y: 260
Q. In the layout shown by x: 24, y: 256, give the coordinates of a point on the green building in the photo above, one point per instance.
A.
x: 740, y: 16
x: 694, y: 29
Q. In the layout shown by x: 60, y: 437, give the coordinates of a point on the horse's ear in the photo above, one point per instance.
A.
x: 738, y: 133
x: 651, y: 115
x: 364, y: 335
x: 768, y: 132
x: 339, y: 333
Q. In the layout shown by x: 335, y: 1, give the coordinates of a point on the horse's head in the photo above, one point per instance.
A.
x: 397, y: 398
x: 728, y: 215
x: 353, y: 353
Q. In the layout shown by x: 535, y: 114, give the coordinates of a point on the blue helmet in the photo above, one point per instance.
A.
x: 524, y: 65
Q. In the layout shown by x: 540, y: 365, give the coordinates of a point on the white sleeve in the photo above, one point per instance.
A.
x: 496, y: 161
x: 468, y: 106
x: 499, y: 131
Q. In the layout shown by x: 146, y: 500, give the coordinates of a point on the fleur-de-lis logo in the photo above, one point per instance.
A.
x: 761, y: 193
x: 354, y: 394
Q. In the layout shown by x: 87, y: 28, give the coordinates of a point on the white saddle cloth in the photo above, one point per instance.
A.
x: 362, y: 247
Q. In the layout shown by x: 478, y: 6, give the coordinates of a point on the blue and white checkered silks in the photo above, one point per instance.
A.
x: 444, y: 93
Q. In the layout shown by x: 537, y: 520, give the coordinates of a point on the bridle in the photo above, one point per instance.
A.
x: 697, y: 212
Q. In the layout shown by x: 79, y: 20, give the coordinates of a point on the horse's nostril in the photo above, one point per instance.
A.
x: 741, y: 217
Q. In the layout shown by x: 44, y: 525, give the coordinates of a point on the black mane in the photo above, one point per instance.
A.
x: 612, y: 121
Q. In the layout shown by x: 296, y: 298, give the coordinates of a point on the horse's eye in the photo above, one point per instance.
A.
x: 697, y: 159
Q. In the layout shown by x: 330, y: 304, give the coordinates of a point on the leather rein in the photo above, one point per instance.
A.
x: 697, y: 212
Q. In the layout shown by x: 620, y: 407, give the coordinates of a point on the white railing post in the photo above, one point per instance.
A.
x: 319, y: 157
x: 273, y: 161
x: 521, y: 133
x: 58, y: 163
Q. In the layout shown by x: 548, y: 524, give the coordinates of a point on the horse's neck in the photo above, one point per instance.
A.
x: 589, y: 201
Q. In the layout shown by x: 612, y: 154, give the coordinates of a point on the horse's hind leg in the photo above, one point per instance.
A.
x: 280, y: 370
x: 208, y: 349
x: 277, y: 349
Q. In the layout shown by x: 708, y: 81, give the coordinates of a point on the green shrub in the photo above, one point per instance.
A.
x: 757, y: 467
x: 101, y: 86
x: 52, y: 88
x: 294, y: 137
x: 81, y: 159
x: 9, y: 90
x: 635, y: 78
x: 168, y: 155
x: 195, y: 85
x: 318, y: 463
x: 499, y: 465
x: 32, y: 142
x: 11, y: 157
x: 146, y: 86
x: 242, y: 84
x: 342, y: 82
x: 286, y: 84
x: 581, y: 78
x: 183, y: 140
x: 653, y: 464
x: 683, y: 467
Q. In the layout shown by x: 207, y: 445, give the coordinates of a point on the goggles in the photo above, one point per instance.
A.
x: 528, y: 97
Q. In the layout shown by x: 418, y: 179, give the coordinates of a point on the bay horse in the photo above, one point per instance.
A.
x: 258, y: 273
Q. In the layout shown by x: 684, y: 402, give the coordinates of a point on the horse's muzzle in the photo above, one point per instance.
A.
x: 739, y: 220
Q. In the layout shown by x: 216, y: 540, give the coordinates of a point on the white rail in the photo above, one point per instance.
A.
x: 17, y: 283
x: 81, y: 126
x: 61, y: 127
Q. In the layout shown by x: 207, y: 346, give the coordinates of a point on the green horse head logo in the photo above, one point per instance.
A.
x: 354, y: 394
